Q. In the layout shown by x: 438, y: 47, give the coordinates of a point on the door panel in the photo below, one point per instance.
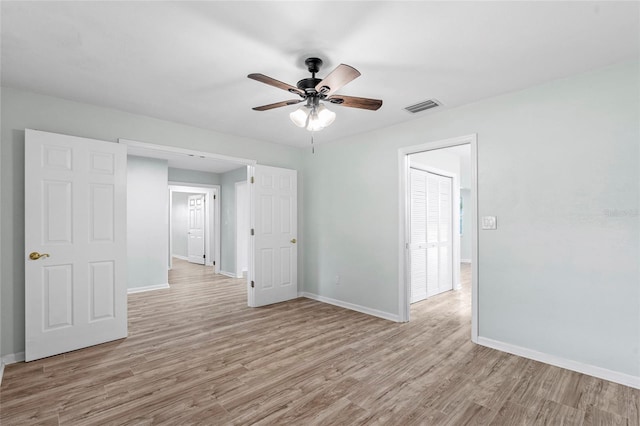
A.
x: 274, y: 207
x: 431, y: 233
x: 195, y: 245
x: 75, y: 213
x: 101, y: 290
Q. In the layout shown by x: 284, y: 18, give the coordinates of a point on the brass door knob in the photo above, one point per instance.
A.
x: 293, y: 240
x: 34, y: 255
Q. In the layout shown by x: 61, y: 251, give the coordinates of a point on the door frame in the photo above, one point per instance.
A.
x: 247, y: 201
x: 403, y: 215
x: 250, y: 163
x: 212, y: 223
x: 455, y: 219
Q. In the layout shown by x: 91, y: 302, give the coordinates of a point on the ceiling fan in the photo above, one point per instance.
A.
x: 314, y: 115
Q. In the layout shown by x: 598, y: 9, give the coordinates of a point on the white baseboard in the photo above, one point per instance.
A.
x: 9, y: 359
x: 352, y: 306
x: 148, y: 288
x: 465, y: 260
x: 12, y: 358
x: 229, y: 274
x: 177, y: 256
x: 591, y: 370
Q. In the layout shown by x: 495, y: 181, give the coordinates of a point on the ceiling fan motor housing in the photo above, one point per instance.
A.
x: 308, y: 85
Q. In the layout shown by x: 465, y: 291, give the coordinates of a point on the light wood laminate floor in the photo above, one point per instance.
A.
x: 196, y: 354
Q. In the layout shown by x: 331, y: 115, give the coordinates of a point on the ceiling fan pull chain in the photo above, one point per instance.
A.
x: 313, y: 148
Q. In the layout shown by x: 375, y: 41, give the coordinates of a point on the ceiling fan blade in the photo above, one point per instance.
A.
x: 276, y: 83
x: 355, y: 102
x: 277, y: 105
x: 337, y: 78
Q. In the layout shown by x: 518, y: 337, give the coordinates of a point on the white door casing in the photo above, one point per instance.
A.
x: 242, y: 228
x: 195, y: 242
x: 431, y: 233
x: 273, y: 259
x: 75, y: 212
x: 404, y: 237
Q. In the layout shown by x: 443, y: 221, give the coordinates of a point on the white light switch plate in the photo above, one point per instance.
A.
x: 489, y: 222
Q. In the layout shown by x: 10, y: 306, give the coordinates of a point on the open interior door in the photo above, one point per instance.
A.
x: 274, y: 255
x: 195, y: 246
x: 75, y: 243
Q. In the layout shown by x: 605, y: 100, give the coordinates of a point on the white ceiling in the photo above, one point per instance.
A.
x: 187, y: 61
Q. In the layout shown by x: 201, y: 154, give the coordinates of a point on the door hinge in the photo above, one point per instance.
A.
x: 204, y: 256
x: 214, y: 263
x: 252, y: 232
x: 253, y: 180
x: 253, y: 284
x: 214, y: 196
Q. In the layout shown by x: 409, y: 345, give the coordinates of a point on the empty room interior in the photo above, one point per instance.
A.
x: 317, y: 212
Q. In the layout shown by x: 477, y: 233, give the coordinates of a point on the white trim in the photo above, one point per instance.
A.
x: 148, y: 288
x: 12, y: 358
x: 176, y: 150
x: 177, y: 256
x: 229, y: 274
x: 236, y: 185
x: 591, y: 370
x: 465, y: 260
x: 351, y: 306
x: 251, y: 171
x: 403, y: 216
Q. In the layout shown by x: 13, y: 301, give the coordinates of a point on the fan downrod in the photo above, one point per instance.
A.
x: 308, y: 85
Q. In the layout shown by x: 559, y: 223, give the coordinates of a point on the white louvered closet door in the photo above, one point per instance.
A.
x: 431, y: 251
x: 445, y: 235
x: 418, y: 244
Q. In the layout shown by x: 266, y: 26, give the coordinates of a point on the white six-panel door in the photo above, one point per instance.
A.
x: 274, y: 216
x: 431, y: 222
x: 195, y: 241
x: 75, y: 243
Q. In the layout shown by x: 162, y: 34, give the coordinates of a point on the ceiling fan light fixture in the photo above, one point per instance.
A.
x: 320, y: 118
x: 300, y: 116
x: 314, y: 125
x: 325, y: 115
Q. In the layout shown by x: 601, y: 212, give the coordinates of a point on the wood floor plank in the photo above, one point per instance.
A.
x: 196, y: 354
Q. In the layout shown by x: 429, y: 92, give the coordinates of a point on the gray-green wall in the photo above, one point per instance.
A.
x: 147, y: 222
x: 228, y: 218
x: 22, y: 109
x: 558, y: 164
x: 179, y: 223
x: 193, y: 176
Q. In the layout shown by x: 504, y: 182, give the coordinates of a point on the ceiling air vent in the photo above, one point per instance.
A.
x: 431, y: 103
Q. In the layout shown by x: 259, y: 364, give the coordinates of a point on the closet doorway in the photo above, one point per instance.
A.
x: 438, y: 244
